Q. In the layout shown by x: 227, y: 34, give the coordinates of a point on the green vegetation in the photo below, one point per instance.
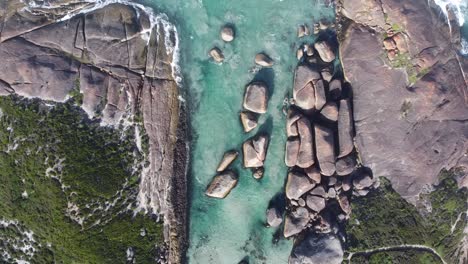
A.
x: 76, y: 94
x: 57, y: 165
x: 384, y: 218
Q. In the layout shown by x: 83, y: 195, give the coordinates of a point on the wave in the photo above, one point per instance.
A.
x: 459, y: 7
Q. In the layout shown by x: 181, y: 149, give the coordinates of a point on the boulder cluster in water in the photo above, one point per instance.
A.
x: 254, y: 149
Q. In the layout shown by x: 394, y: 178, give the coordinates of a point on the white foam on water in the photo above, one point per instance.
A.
x: 457, y: 6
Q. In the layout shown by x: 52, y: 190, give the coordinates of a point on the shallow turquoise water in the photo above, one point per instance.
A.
x: 226, y: 231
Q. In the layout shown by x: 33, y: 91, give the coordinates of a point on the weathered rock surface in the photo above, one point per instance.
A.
x: 423, y: 124
x: 248, y: 120
x: 306, y: 157
x: 254, y: 151
x: 314, y: 174
x: 325, y: 51
x: 222, y: 184
x: 304, y: 92
x: 305, y: 98
x: 292, y: 151
x: 263, y: 60
x: 256, y: 97
x: 291, y: 125
x: 325, y: 147
x: 320, y: 95
x: 345, y: 128
x: 315, y: 203
x: 345, y: 165
x: 330, y: 111
x: 123, y: 65
x: 317, y: 248
x: 295, y: 222
x: 274, y: 218
x: 228, y: 158
x: 319, y: 191
x: 297, y: 185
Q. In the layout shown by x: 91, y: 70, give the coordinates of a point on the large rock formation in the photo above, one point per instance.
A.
x: 316, y: 249
x: 120, y: 58
x: 410, y: 110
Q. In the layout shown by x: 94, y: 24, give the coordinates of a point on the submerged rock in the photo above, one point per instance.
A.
x: 217, y: 55
x: 297, y: 184
x: 325, y: 51
x: 258, y: 173
x: 273, y: 216
x: 317, y: 248
x: 256, y: 97
x: 248, y: 120
x: 263, y: 60
x: 228, y: 158
x: 302, y: 31
x: 222, y: 184
x: 227, y: 34
x: 296, y: 221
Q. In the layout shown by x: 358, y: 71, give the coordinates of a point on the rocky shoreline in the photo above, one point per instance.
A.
x: 118, y: 60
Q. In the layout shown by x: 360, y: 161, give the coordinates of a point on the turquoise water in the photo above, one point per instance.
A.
x: 227, y: 231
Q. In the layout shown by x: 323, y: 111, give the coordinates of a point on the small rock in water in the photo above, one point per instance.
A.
x: 263, y: 60
x: 325, y: 51
x: 254, y: 151
x: 258, y: 173
x: 227, y: 33
x: 248, y: 120
x: 256, y: 97
x: 217, y: 54
x: 300, y: 53
x: 228, y: 158
x: 274, y: 218
x: 222, y: 184
x: 302, y: 31
x: 309, y: 50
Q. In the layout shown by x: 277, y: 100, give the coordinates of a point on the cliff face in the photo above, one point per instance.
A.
x: 410, y: 93
x: 119, y: 57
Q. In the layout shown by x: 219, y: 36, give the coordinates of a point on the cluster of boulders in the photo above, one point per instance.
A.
x: 324, y: 170
x: 303, y: 30
x: 395, y: 44
x: 227, y: 34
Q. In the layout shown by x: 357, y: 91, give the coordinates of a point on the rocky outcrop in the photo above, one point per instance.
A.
x: 256, y: 98
x: 296, y: 222
x: 248, y: 120
x: 317, y: 248
x: 410, y: 116
x: 274, y: 218
x: 120, y: 59
x: 305, y: 157
x: 325, y: 144
x: 228, y: 158
x: 254, y: 151
x: 222, y: 184
x: 297, y: 184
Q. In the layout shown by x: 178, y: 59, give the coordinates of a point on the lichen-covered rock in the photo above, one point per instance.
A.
x: 325, y: 149
x: 228, y: 158
x: 297, y: 184
x: 256, y: 97
x: 222, y: 184
x: 295, y: 222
